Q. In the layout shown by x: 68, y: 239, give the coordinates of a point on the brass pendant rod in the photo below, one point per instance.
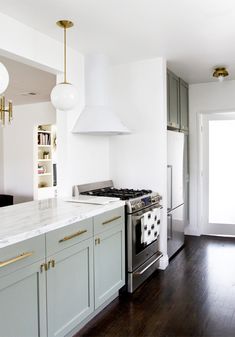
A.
x: 65, y: 56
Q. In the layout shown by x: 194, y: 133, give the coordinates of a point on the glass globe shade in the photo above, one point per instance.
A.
x: 4, y: 78
x: 64, y: 96
x: 220, y: 78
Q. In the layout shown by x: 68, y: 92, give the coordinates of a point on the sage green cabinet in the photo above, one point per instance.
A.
x: 70, y: 294
x: 184, y: 106
x: 23, y: 302
x: 177, y: 103
x: 173, y: 104
x: 109, y: 263
x: 51, y: 283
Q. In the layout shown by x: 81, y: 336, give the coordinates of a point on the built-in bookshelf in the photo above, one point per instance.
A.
x: 46, y: 162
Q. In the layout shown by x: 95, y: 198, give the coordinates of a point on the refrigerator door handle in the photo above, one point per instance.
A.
x: 170, y: 236
x: 170, y: 167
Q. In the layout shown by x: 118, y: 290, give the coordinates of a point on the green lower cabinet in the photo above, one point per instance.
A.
x: 23, y: 303
x: 109, y: 262
x: 70, y: 295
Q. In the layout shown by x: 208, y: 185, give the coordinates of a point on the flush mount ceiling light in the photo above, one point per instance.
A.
x: 220, y: 73
x: 4, y: 81
x: 64, y: 95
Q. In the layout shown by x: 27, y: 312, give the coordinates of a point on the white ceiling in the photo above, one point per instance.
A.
x: 25, y: 80
x: 193, y: 35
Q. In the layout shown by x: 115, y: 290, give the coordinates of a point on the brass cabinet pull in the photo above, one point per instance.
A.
x: 111, y: 220
x: 97, y: 241
x: 69, y: 237
x: 44, y: 266
x: 15, y: 259
x: 51, y: 263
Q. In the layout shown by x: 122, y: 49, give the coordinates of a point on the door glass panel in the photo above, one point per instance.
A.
x: 221, y: 171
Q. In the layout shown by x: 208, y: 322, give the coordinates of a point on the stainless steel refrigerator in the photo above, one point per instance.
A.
x: 176, y: 159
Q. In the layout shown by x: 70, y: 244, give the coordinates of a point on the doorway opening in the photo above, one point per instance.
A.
x: 218, y: 178
x: 29, y: 89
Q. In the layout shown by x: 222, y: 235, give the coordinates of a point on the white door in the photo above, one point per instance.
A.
x: 218, y: 178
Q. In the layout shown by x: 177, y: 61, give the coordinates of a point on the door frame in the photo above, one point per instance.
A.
x: 202, y: 198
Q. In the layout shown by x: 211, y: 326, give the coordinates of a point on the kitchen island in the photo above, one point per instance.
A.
x: 60, y: 264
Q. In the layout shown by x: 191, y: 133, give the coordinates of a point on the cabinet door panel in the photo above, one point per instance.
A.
x: 109, y: 264
x: 23, y: 303
x: 173, y: 97
x: 70, y: 288
x: 184, y: 106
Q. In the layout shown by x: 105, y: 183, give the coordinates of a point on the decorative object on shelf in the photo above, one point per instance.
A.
x: 40, y: 169
x: 46, y: 155
x: 64, y: 96
x: 220, y: 73
x: 40, y: 128
x: 42, y: 184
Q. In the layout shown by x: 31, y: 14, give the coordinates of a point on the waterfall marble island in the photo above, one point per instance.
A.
x: 61, y: 262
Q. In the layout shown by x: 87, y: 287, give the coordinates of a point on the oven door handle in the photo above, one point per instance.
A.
x: 149, y: 265
x: 138, y: 217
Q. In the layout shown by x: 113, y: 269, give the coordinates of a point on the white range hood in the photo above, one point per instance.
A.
x: 98, y: 118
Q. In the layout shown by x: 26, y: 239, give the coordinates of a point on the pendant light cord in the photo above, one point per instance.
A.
x: 65, y: 57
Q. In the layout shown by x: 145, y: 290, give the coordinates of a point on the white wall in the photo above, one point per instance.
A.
x: 19, y: 148
x: 80, y: 158
x: 1, y: 161
x: 139, y: 160
x: 204, y: 98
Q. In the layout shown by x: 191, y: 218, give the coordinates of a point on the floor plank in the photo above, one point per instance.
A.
x: 195, y: 296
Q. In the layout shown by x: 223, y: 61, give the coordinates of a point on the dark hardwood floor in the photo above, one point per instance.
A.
x: 195, y: 296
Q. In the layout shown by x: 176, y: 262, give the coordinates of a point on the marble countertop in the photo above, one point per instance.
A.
x: 23, y: 221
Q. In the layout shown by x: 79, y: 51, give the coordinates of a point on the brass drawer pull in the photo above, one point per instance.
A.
x: 15, y: 259
x: 69, y: 237
x: 111, y: 220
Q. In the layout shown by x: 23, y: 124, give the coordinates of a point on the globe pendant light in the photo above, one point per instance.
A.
x: 4, y: 78
x: 64, y: 96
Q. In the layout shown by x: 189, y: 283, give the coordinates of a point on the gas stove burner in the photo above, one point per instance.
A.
x: 122, y: 193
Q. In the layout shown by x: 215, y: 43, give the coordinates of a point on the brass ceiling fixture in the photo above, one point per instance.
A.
x: 220, y: 73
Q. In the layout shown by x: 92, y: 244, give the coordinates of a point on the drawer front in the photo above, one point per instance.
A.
x: 69, y: 235
x: 108, y: 220
x: 21, y: 254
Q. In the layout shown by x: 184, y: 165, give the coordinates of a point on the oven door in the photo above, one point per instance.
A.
x: 139, y: 248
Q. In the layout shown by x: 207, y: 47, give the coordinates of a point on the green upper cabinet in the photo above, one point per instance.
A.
x: 184, y: 125
x: 173, y: 84
x: 177, y: 102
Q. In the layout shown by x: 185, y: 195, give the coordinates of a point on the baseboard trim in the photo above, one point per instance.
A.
x: 163, y: 263
x: 89, y: 318
x: 191, y: 231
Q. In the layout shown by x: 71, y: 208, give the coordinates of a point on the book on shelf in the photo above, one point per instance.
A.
x: 44, y: 138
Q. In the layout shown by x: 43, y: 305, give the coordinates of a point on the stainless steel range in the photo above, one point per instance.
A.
x: 143, y: 220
